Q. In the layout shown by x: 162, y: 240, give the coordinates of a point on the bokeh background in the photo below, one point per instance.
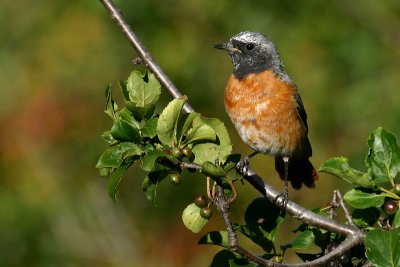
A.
x: 56, y: 58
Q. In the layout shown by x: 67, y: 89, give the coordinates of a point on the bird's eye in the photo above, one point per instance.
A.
x: 250, y: 46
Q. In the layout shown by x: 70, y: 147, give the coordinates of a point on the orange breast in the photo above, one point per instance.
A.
x: 263, y: 109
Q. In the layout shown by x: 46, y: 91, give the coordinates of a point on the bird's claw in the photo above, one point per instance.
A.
x: 243, y: 166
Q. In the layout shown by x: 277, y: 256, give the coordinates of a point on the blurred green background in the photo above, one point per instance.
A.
x: 56, y: 57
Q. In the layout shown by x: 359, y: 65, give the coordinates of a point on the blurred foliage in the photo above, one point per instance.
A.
x: 56, y: 59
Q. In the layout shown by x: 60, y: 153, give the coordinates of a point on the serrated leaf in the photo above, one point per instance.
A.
x: 225, y: 146
x: 142, y: 113
x: 114, y: 181
x: 150, y: 184
x: 205, y: 152
x: 340, y: 167
x: 362, y: 200
x: 150, y: 128
x: 201, y: 133
x: 383, y: 247
x: 111, y: 106
x: 303, y: 241
x: 219, y: 238
x: 141, y: 92
x: 114, y: 156
x: 383, y: 158
x: 151, y: 157
x: 192, y: 219
x: 168, y: 120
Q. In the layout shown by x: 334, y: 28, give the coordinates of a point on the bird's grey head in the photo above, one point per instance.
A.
x: 252, y: 52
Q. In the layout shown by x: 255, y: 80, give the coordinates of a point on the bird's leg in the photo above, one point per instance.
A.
x: 243, y: 165
x: 285, y: 194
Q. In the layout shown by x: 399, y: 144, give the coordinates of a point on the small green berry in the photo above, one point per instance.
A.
x: 201, y: 201
x: 175, y: 179
x: 176, y: 152
x: 187, y: 151
x: 206, y: 213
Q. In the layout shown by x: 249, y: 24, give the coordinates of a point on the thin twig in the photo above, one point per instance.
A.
x: 143, y: 53
x: 346, y: 211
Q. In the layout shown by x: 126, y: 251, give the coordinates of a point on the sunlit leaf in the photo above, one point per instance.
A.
x: 362, y: 200
x: 142, y: 92
x: 203, y: 132
x: 167, y: 122
x: 114, y: 156
x: 383, y: 158
x: 303, y: 241
x: 192, y: 219
x: 340, y: 167
x: 150, y: 128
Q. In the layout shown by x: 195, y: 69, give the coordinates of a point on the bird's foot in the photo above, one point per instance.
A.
x: 285, y: 199
x: 243, y: 165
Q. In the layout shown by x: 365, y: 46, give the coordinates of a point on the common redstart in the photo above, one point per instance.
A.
x: 266, y: 108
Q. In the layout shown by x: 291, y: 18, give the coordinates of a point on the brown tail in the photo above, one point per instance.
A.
x: 300, y: 171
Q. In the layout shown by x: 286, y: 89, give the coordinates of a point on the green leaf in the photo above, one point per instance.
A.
x: 151, y: 157
x: 114, y: 181
x: 218, y: 238
x: 212, y: 170
x: 303, y: 241
x: 115, y: 155
x: 150, y: 184
x: 225, y: 146
x: 340, y: 167
x: 396, y: 219
x: 167, y: 122
x: 263, y: 220
x: 226, y: 258
x: 383, y: 248
x: 111, y: 106
x: 125, y: 127
x: 383, y: 158
x: 107, y: 136
x: 201, y: 133
x: 366, y: 217
x: 142, y: 113
x: 362, y: 200
x: 184, y: 123
x: 205, y: 152
x: 150, y: 128
x: 192, y: 219
x: 141, y: 92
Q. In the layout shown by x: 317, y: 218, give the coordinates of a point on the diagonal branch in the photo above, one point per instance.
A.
x: 143, y: 53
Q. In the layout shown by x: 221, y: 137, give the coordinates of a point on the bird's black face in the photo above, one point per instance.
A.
x: 251, y: 52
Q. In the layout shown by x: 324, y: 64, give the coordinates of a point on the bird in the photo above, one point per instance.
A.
x: 266, y: 109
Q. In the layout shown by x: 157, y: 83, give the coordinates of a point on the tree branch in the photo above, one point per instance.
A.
x: 143, y: 53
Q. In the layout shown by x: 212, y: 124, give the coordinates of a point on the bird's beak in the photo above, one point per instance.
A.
x: 227, y: 47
